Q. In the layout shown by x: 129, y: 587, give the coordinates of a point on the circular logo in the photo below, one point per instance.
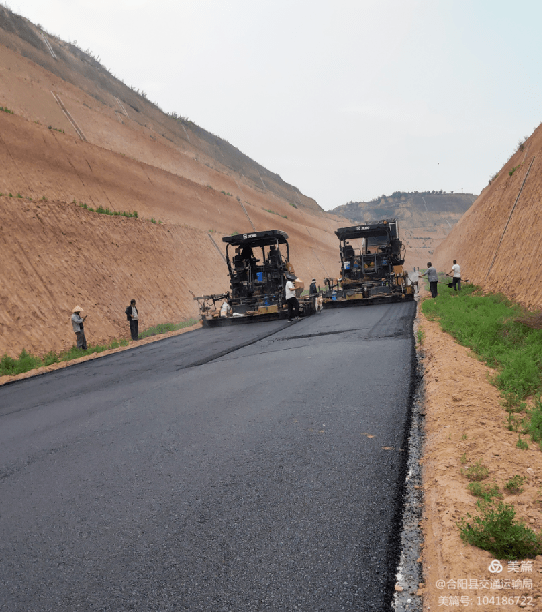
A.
x: 495, y: 567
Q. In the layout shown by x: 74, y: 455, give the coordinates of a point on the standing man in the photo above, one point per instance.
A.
x: 432, y: 277
x: 312, y: 288
x: 456, y: 274
x: 225, y: 311
x: 133, y: 318
x: 77, y: 325
x: 291, y: 300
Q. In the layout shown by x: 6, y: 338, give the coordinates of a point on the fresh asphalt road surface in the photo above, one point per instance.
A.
x: 254, y: 467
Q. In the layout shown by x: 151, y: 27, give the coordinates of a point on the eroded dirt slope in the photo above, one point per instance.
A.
x: 497, y: 241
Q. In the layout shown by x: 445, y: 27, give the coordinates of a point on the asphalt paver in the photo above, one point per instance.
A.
x: 253, y: 467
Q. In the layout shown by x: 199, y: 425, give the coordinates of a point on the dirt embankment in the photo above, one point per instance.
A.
x: 57, y: 254
x: 497, y: 241
x: 77, y: 135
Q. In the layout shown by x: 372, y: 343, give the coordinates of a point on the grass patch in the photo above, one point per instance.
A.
x: 275, y: 213
x: 496, y: 530
x: 511, y: 172
x: 500, y: 332
x: 486, y: 492
x: 6, y: 110
x: 521, y: 444
x: 477, y: 472
x: 163, y: 328
x: 421, y: 336
x: 107, y: 211
x: 533, y: 423
x: 513, y: 485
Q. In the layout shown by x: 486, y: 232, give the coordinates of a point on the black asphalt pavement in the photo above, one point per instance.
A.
x: 254, y: 467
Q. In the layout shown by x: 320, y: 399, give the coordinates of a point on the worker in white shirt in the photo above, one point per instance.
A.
x: 456, y: 276
x: 291, y: 300
x: 225, y: 311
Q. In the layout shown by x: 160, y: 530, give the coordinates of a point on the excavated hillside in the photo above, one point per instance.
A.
x: 425, y: 219
x: 71, y: 135
x: 497, y: 241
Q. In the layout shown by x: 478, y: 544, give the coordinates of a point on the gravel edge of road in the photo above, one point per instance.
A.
x: 409, y: 570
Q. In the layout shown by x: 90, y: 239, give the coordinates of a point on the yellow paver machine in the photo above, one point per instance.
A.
x: 259, y: 266
x: 372, y: 258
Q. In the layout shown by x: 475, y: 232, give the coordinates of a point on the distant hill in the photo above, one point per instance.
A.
x: 425, y: 218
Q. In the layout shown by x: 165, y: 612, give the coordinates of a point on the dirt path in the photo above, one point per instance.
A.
x: 464, y: 423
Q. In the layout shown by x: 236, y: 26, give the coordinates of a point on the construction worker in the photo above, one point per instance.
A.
x: 77, y: 325
x: 133, y: 318
x: 432, y: 277
x: 291, y: 299
x: 226, y: 311
x: 456, y: 276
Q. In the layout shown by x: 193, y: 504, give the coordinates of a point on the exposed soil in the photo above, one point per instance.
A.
x: 466, y: 421
x: 497, y: 241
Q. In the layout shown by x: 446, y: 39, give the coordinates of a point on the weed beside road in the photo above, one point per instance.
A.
x: 163, y: 328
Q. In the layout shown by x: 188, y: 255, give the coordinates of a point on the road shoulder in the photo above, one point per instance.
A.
x: 464, y: 423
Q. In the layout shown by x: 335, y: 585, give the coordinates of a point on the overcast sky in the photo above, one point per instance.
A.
x: 345, y: 99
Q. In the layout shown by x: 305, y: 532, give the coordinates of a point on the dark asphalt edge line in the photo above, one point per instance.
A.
x: 289, y: 338
x: 92, y: 358
x: 409, y: 571
x: 221, y: 354
x: 394, y: 538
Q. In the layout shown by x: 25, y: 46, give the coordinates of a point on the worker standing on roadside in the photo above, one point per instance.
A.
x: 77, y: 324
x: 291, y: 300
x: 456, y: 276
x: 432, y: 277
x: 312, y: 288
x: 133, y: 318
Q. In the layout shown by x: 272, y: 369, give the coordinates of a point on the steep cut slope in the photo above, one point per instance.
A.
x: 497, y: 241
x: 113, y: 115
x: 425, y: 218
x: 73, y: 139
